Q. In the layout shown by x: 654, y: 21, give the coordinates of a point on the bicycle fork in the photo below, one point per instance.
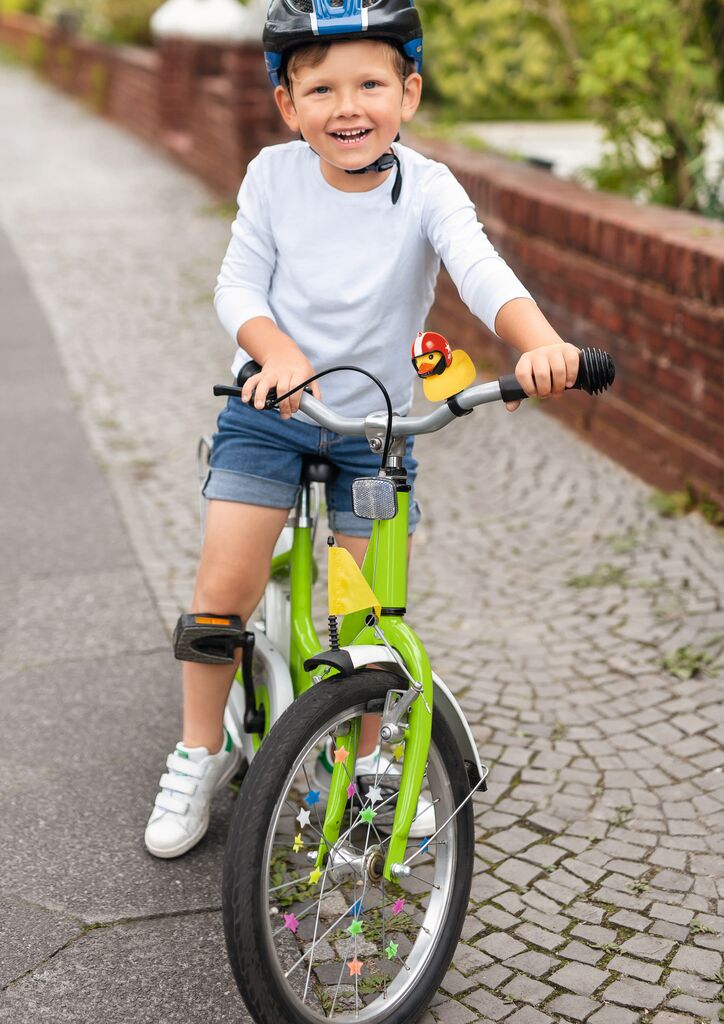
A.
x: 385, y: 567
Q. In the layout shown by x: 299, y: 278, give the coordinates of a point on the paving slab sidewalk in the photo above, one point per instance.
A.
x: 550, y: 608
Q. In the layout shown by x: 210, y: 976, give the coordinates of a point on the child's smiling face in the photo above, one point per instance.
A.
x: 349, y: 108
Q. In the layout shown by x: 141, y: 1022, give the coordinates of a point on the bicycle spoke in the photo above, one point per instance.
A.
x: 321, y: 937
x: 300, y: 915
x: 336, y: 991
x: 314, y: 937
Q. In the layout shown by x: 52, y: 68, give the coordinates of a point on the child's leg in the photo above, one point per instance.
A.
x: 234, y: 565
x: 237, y: 551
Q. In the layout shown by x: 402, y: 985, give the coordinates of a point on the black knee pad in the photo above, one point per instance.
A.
x: 208, y: 638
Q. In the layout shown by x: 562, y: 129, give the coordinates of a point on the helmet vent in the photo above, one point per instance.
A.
x: 307, y: 7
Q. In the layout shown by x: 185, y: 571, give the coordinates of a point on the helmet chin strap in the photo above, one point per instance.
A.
x: 382, y: 163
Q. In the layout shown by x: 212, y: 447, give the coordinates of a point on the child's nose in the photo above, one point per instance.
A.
x: 347, y: 103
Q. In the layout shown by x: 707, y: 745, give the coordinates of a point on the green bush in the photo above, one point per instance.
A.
x: 23, y: 6
x: 648, y: 71
x: 116, y: 21
x: 490, y: 59
x: 651, y: 81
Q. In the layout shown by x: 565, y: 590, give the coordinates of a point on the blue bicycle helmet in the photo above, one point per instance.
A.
x: 292, y: 23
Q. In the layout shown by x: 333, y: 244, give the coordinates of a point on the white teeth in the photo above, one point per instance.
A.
x: 356, y: 133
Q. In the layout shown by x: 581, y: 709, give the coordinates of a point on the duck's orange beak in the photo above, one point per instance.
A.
x: 425, y: 365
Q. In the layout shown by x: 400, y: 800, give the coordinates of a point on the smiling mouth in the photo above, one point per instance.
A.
x: 353, y: 135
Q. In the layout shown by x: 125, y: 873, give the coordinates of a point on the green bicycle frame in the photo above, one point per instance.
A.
x: 385, y: 569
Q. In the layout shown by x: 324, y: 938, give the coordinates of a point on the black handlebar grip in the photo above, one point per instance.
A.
x: 227, y: 389
x: 248, y: 370
x: 596, y: 372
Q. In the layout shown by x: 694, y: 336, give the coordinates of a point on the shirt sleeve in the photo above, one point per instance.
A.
x: 242, y: 287
x: 482, y: 277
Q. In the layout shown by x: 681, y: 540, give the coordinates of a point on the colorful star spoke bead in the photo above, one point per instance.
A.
x: 355, y: 967
x: 291, y: 922
x: 368, y: 815
x: 398, y: 906
x: 312, y: 797
x: 355, y: 928
x: 391, y: 950
x: 314, y: 876
x: 298, y: 843
x: 340, y: 755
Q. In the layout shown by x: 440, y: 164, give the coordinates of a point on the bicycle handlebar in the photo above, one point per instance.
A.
x: 596, y: 373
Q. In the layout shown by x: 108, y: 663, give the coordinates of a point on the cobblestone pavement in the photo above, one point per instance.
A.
x: 584, y: 631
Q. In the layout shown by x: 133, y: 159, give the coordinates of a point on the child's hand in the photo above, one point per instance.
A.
x: 546, y: 371
x: 284, y: 369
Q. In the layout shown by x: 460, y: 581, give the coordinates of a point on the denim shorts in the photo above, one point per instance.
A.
x: 256, y: 458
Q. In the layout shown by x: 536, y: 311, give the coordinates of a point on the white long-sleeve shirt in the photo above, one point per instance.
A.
x: 350, y: 276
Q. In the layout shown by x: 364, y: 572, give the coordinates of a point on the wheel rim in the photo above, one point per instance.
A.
x: 327, y: 966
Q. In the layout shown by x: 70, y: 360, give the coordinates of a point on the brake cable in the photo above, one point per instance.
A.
x: 357, y: 369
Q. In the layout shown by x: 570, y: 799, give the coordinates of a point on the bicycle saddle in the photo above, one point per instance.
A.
x: 317, y: 469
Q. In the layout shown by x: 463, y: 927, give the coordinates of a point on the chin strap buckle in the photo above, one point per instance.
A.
x: 384, y: 163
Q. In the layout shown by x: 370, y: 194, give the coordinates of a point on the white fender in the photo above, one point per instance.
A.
x: 443, y: 699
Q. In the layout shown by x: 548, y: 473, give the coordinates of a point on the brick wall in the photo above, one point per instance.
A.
x: 645, y: 283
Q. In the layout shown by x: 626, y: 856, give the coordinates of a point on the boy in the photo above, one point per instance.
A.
x: 333, y: 259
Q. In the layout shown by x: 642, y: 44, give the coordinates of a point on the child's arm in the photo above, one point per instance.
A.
x: 283, y: 364
x: 490, y: 289
x: 241, y: 297
x: 548, y: 365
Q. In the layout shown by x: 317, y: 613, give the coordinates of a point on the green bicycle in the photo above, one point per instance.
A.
x: 334, y: 907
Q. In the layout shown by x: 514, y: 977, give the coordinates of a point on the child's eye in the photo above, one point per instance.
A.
x: 321, y: 89
x: 370, y: 85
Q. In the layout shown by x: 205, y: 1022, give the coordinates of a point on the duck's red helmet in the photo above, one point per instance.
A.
x: 427, y: 343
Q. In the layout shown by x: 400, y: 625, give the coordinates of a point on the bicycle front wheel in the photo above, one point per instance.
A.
x: 344, y: 943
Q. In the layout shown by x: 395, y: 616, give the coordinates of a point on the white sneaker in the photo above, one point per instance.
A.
x: 180, y: 816
x: 388, y: 773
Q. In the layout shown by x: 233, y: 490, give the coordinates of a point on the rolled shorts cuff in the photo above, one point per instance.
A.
x: 228, y: 485
x: 353, y: 526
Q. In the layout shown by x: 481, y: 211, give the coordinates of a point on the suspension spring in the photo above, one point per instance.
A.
x: 333, y: 633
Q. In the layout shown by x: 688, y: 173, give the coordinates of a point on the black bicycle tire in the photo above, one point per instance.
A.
x: 241, y: 893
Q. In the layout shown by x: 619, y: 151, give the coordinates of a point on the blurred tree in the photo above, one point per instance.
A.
x: 121, y: 21
x: 494, y: 58
x: 24, y: 6
x: 651, y: 80
x: 646, y: 70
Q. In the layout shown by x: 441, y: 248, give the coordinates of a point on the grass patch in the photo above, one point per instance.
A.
x: 623, y: 543
x: 687, y: 662
x: 623, y: 813
x: 226, y: 209
x: 674, y: 504
x: 603, y: 575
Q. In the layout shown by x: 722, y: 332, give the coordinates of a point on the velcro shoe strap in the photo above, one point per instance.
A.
x: 171, y: 802
x: 184, y: 767
x: 178, y: 783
